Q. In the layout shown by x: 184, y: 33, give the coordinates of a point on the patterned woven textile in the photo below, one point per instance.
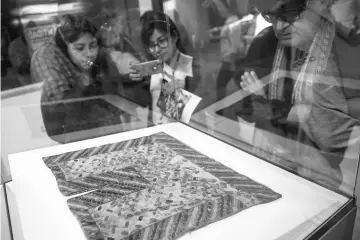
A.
x: 153, y: 187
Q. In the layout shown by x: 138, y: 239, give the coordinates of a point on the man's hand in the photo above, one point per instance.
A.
x: 251, y: 83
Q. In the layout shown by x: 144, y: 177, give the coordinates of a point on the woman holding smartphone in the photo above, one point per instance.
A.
x: 161, y: 38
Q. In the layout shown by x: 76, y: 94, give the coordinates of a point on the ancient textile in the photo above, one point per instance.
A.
x: 154, y: 187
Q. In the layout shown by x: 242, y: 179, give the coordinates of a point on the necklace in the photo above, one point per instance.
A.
x: 164, y: 89
x: 301, y: 58
x: 173, y: 71
x: 175, y: 67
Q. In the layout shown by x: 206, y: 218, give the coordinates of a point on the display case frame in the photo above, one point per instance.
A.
x: 338, y: 224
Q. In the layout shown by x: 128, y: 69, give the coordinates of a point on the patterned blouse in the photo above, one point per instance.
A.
x: 62, y: 80
x: 61, y: 77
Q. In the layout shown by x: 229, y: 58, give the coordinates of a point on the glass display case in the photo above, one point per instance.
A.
x: 180, y: 119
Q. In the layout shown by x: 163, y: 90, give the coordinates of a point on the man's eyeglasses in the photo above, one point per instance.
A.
x: 161, y: 43
x: 288, y: 15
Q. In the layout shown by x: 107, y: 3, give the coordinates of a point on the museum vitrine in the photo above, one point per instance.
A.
x: 202, y: 119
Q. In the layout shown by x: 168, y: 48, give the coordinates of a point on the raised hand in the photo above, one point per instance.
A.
x: 251, y: 83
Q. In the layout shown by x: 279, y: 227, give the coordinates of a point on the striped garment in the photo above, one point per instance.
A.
x: 151, y: 188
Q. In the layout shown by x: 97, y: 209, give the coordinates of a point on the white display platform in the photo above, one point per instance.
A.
x: 44, y: 214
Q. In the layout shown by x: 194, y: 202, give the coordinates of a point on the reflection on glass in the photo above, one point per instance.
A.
x: 276, y: 78
x: 292, y: 92
x: 303, y: 99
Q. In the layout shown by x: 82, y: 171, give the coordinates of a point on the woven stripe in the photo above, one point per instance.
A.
x: 147, y: 232
x: 240, y: 205
x: 85, y: 153
x: 81, y: 212
x: 221, y: 207
x: 139, y: 234
x: 161, y: 229
x: 177, y: 219
x: 117, y: 147
x: 210, y: 210
x: 97, y: 150
x: 49, y: 160
x: 167, y: 227
x: 100, y: 150
x: 190, y: 214
x: 201, y: 214
x: 153, y: 231
x: 192, y: 221
x: 205, y: 218
x: 182, y: 227
x: 65, y: 156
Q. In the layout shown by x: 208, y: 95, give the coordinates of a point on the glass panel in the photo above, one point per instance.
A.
x: 287, y: 94
x: 301, y: 112
x: 65, y: 72
x: 278, y: 79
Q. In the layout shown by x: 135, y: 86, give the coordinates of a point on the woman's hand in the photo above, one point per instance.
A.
x: 251, y: 83
x: 135, y: 76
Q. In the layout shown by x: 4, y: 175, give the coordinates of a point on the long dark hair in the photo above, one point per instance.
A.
x: 162, y: 22
x: 71, y: 29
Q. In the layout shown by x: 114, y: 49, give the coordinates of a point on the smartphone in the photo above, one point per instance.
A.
x: 148, y: 68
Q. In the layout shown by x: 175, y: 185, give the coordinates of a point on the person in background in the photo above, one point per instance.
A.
x: 5, y: 41
x: 346, y: 14
x: 19, y: 56
x: 74, y: 65
x: 161, y: 38
x: 299, y: 106
x: 235, y: 39
x: 185, y: 38
x: 347, y: 23
x: 133, y: 52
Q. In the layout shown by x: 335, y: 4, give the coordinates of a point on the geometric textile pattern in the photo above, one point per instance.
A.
x: 154, y: 187
x: 89, y: 165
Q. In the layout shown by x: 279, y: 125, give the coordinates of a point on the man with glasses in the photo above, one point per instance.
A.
x: 298, y: 101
